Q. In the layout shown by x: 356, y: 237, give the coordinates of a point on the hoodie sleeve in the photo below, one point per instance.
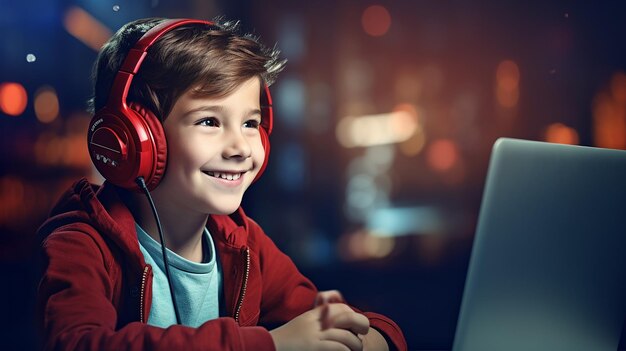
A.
x: 287, y: 293
x: 75, y: 309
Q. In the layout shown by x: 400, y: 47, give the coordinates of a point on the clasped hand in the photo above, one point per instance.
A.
x: 330, y: 325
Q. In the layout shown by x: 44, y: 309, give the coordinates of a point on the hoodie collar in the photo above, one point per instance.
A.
x: 102, y: 208
x: 232, y: 229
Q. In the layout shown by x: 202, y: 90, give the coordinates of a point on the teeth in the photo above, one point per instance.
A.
x: 226, y: 176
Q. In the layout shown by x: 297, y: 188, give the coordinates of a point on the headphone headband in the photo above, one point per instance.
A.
x: 136, y: 55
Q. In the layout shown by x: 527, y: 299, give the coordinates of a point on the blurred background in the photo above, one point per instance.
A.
x: 385, y: 118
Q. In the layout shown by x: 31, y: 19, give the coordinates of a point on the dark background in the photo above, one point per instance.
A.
x: 390, y: 225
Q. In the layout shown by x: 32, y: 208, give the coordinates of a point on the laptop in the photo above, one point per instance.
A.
x: 548, y: 266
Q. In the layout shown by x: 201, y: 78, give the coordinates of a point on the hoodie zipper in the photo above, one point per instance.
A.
x: 243, y: 286
x: 144, y: 276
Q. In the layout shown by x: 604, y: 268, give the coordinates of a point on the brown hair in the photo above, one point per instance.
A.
x: 212, y: 60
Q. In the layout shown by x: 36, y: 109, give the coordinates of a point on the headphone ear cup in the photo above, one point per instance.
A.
x: 265, y: 141
x: 159, y: 141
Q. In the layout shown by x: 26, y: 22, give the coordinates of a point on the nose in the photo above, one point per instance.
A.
x: 237, y: 146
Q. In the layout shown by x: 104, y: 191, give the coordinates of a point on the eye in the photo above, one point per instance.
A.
x: 208, y: 122
x: 252, y: 123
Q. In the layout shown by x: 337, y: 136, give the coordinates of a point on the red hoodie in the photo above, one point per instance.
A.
x: 96, y: 289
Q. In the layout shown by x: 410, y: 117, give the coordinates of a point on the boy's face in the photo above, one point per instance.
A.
x: 214, y: 150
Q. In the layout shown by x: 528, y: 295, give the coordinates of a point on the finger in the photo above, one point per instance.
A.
x: 337, y: 308
x: 327, y: 313
x: 324, y: 317
x: 344, y: 337
x: 330, y: 296
x: 356, y: 322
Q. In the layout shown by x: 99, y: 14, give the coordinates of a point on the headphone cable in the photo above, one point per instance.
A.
x: 142, y: 184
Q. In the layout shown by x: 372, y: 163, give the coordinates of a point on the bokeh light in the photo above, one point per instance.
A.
x: 364, y: 245
x: 507, y: 83
x: 291, y: 96
x: 361, y: 191
x: 13, y: 98
x: 609, y: 114
x: 561, y: 134
x: 442, y: 155
x: 46, y: 104
x: 385, y: 128
x: 86, y: 28
x: 415, y: 144
x: 376, y: 20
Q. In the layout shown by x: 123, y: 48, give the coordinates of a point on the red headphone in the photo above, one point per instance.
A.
x: 127, y: 141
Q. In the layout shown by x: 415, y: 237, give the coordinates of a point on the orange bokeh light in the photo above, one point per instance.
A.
x: 609, y: 114
x: 507, y: 83
x: 46, y: 105
x: 442, y: 155
x: 507, y: 75
x: 376, y: 20
x: 13, y: 98
x: 86, y: 28
x: 561, y: 134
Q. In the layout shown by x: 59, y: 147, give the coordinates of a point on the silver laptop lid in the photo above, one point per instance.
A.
x: 548, y: 265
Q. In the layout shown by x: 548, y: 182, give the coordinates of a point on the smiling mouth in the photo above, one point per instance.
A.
x: 226, y: 176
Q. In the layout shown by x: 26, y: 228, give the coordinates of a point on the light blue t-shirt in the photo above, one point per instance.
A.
x: 198, y: 286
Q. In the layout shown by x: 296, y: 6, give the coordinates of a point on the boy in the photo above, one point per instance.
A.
x: 198, y: 101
